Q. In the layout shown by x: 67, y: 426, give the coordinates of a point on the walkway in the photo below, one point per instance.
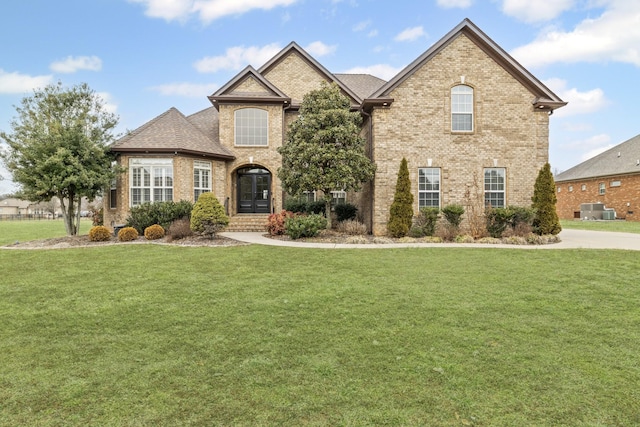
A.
x: 571, y: 239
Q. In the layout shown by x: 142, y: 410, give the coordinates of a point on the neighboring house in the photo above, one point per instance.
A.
x: 611, y: 179
x: 464, y: 113
x: 12, y: 206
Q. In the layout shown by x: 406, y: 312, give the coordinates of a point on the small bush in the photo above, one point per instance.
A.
x: 207, y: 216
x: 99, y: 233
x: 426, y: 220
x: 416, y: 232
x: 275, y: 222
x: 303, y: 206
x: 464, y: 239
x: 498, y: 219
x: 127, y: 234
x: 161, y: 213
x: 352, y: 227
x: 453, y: 215
x: 305, y: 225
x: 346, y: 212
x: 96, y: 215
x: 179, y: 229
x: 154, y: 232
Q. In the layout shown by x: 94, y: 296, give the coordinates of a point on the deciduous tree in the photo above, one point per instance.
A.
x: 324, y: 150
x: 58, y: 147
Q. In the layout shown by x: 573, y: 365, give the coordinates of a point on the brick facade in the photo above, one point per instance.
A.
x: 624, y: 198
x: 409, y: 116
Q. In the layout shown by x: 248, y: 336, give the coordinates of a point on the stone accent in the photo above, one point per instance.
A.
x: 625, y: 198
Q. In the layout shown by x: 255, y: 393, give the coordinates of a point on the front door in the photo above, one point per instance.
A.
x: 254, y: 190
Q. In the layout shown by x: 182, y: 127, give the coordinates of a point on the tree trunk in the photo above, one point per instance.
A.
x: 327, y: 210
x: 69, y: 215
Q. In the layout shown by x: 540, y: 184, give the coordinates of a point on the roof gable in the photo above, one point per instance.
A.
x: 622, y: 159
x: 544, y: 97
x: 248, y: 85
x: 172, y: 132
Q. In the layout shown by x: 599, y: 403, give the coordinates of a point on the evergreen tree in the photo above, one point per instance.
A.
x: 324, y: 150
x: 401, y: 214
x: 59, y: 147
x: 544, y: 202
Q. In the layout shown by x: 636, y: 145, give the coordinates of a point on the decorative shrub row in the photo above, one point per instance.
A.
x: 154, y: 232
x: 300, y: 226
x: 512, y: 218
x: 161, y: 213
x: 127, y: 234
x: 99, y: 233
x: 303, y: 206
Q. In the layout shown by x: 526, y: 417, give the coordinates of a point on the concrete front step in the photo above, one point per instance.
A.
x: 247, y: 222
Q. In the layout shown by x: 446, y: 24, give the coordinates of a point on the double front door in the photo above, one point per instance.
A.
x: 254, y: 190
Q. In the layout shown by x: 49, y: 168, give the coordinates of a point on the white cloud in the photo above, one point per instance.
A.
x: 410, y: 34
x: 450, y: 4
x: 579, y: 102
x: 613, y: 36
x: 236, y: 58
x: 206, y: 10
x: 21, y: 83
x: 107, y: 102
x: 72, y: 64
x: 361, y: 26
x: 382, y: 71
x: 318, y: 48
x: 372, y: 33
x: 536, y: 11
x: 594, y: 145
x: 190, y: 90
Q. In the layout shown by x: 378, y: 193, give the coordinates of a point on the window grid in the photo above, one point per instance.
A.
x: 462, y: 109
x: 429, y: 187
x: 601, y: 188
x: 201, y: 178
x: 252, y: 127
x: 151, y: 183
x: 338, y: 198
x: 494, y: 187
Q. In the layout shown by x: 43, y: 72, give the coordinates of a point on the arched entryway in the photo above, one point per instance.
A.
x: 254, y: 190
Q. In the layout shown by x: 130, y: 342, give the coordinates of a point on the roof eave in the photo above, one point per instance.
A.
x: 174, y: 151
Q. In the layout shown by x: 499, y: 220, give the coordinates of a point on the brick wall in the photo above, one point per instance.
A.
x: 625, y: 198
x: 508, y: 132
x: 294, y: 76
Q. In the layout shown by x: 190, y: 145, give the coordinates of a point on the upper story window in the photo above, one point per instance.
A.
x: 252, y: 127
x: 429, y: 187
x: 462, y: 109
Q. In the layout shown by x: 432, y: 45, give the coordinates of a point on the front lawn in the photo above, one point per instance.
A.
x: 615, y: 226
x: 26, y: 230
x: 251, y: 336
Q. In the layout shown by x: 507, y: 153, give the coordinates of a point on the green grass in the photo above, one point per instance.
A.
x: 134, y: 335
x: 615, y: 226
x: 24, y: 231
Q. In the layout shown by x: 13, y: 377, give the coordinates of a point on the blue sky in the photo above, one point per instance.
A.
x: 145, y: 56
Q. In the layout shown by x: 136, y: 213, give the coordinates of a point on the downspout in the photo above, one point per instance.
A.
x: 371, y: 153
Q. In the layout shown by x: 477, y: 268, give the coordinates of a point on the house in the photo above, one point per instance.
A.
x: 464, y: 114
x: 610, y: 179
x: 11, y: 207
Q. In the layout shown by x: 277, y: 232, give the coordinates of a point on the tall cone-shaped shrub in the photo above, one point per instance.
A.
x: 544, y: 202
x: 401, y: 214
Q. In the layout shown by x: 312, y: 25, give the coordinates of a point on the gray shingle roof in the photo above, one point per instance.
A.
x: 622, y: 159
x: 362, y: 84
x: 173, y: 132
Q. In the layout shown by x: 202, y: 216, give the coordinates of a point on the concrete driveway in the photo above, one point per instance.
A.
x: 571, y: 239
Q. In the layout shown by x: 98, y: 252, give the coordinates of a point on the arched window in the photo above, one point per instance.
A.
x: 252, y: 127
x: 462, y: 109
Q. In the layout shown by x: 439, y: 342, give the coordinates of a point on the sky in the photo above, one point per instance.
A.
x: 146, y: 56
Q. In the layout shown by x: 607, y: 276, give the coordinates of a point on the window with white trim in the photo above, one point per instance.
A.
x: 151, y: 180
x: 462, y: 108
x: 429, y: 187
x: 252, y: 127
x: 201, y: 178
x: 338, y: 198
x: 494, y: 187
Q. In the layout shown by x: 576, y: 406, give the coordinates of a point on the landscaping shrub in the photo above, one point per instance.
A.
x: 453, y: 215
x: 352, y: 227
x: 275, y: 222
x: 305, y: 225
x: 345, y: 212
x: 99, y: 233
x: 416, y: 232
x: 426, y: 221
x: 179, y: 229
x: 401, y: 211
x: 161, y: 213
x: 127, y: 234
x: 96, y: 215
x: 303, y: 206
x: 498, y: 219
x: 544, y: 199
x: 208, y: 216
x: 154, y: 232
